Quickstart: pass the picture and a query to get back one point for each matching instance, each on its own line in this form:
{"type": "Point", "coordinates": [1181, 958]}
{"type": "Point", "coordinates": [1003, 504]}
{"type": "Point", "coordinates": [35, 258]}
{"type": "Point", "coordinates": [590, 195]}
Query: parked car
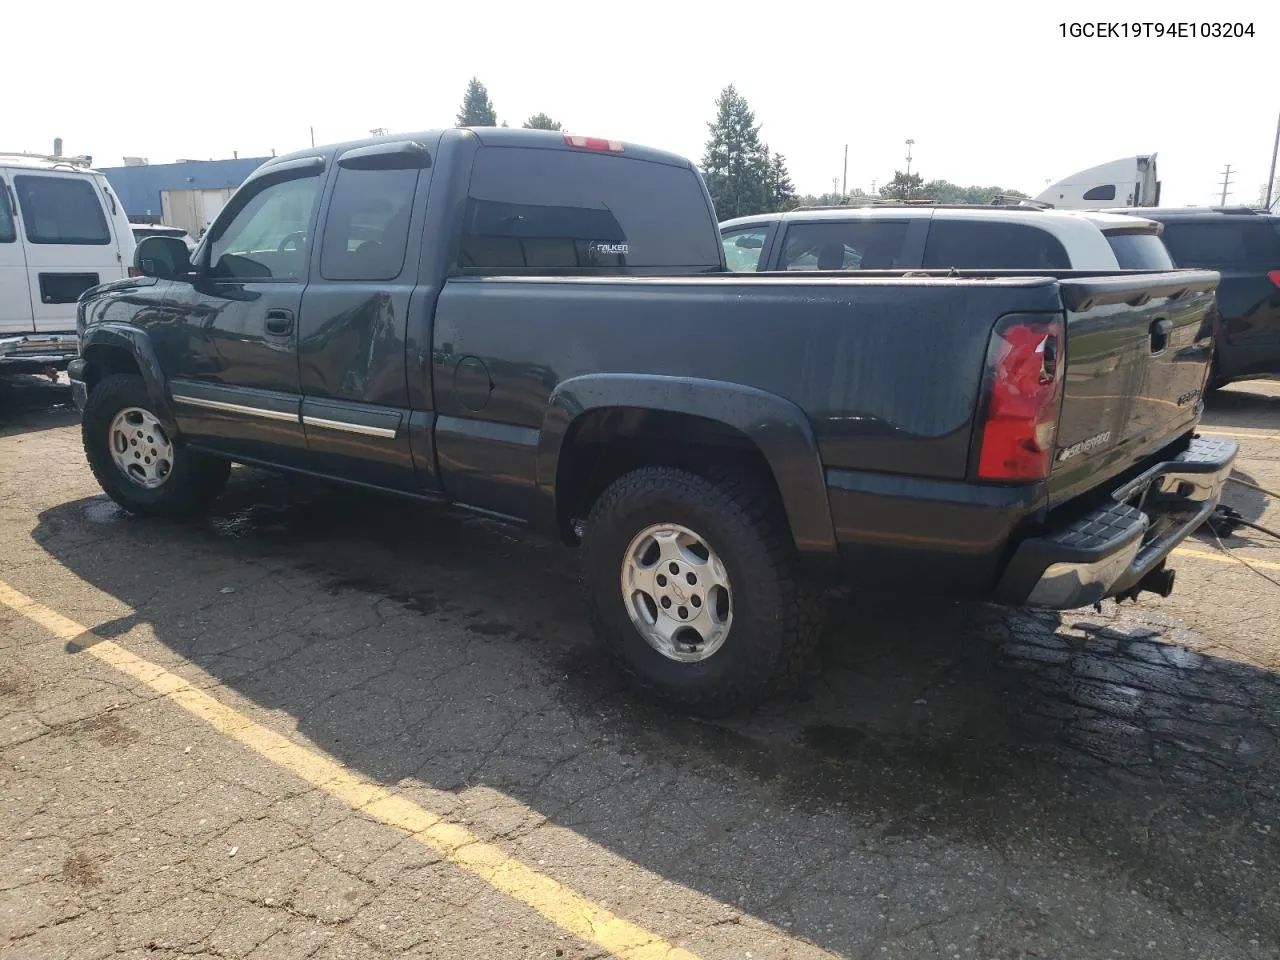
{"type": "Point", "coordinates": [1243, 246]}
{"type": "Point", "coordinates": [913, 236]}
{"type": "Point", "coordinates": [544, 330]}
{"type": "Point", "coordinates": [143, 230]}
{"type": "Point", "coordinates": [62, 231]}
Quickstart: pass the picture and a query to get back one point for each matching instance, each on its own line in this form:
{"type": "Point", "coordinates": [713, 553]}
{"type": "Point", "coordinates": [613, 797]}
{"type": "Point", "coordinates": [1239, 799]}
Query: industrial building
{"type": "Point", "coordinates": [186, 194]}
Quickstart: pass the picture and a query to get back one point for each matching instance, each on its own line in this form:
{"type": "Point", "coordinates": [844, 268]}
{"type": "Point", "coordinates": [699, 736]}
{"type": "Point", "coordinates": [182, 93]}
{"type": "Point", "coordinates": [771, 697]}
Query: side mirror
{"type": "Point", "coordinates": [165, 258]}
{"type": "Point", "coordinates": [748, 242]}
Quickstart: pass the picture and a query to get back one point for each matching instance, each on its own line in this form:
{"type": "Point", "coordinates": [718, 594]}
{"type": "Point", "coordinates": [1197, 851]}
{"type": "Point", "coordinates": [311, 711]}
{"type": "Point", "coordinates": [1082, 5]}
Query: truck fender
{"type": "Point", "coordinates": [778, 428]}
{"type": "Point", "coordinates": [137, 344]}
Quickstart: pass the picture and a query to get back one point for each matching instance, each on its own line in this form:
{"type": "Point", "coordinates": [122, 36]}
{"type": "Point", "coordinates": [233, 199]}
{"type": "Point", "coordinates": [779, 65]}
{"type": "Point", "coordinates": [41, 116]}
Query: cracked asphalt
{"type": "Point", "coordinates": [960, 780]}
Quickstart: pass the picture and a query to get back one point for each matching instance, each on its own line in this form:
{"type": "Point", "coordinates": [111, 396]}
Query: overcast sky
{"type": "Point", "coordinates": [990, 92]}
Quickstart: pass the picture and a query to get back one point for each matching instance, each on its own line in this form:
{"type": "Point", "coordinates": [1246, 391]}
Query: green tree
{"type": "Point", "coordinates": [903, 186]}
{"type": "Point", "coordinates": [944, 191]}
{"type": "Point", "coordinates": [780, 192]}
{"type": "Point", "coordinates": [736, 163]}
{"type": "Point", "coordinates": [477, 109]}
{"type": "Point", "coordinates": [540, 121]}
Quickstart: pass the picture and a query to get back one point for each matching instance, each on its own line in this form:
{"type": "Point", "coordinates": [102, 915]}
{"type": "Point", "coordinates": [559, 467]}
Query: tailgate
{"type": "Point", "coordinates": [1138, 352]}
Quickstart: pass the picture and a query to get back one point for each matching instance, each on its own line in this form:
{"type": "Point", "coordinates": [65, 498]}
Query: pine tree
{"type": "Point", "coordinates": [477, 109]}
{"type": "Point", "coordinates": [782, 192]}
{"type": "Point", "coordinates": [736, 163]}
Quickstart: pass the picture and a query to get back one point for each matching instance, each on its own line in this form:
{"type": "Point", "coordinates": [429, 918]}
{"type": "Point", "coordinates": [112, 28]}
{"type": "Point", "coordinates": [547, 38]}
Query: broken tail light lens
{"type": "Point", "coordinates": [1023, 400]}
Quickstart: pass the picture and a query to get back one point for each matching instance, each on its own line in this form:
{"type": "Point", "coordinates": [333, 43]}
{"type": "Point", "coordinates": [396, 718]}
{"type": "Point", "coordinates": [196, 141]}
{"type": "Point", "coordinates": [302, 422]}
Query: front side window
{"type": "Point", "coordinates": [845, 245]}
{"type": "Point", "coordinates": [742, 248]}
{"type": "Point", "coordinates": [566, 210]}
{"type": "Point", "coordinates": [989, 245]}
{"type": "Point", "coordinates": [63, 210]}
{"type": "Point", "coordinates": [267, 239]}
{"type": "Point", "coordinates": [7, 232]}
{"type": "Point", "coordinates": [368, 224]}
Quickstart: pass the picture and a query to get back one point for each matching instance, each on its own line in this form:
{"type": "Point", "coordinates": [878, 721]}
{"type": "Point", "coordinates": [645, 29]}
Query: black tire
{"type": "Point", "coordinates": [196, 478]}
{"type": "Point", "coordinates": [777, 618]}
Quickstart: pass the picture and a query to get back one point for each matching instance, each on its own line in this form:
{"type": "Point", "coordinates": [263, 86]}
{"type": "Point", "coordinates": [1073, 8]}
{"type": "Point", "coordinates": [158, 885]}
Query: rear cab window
{"type": "Point", "coordinates": [61, 210]}
{"type": "Point", "coordinates": [1244, 241]}
{"type": "Point", "coordinates": [1139, 250]}
{"type": "Point", "coordinates": [367, 229]}
{"type": "Point", "coordinates": [991, 245]}
{"type": "Point", "coordinates": [548, 210]}
{"type": "Point", "coordinates": [845, 245]}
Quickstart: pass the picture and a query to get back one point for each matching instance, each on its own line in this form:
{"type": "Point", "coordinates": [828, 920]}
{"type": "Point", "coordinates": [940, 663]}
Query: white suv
{"type": "Point", "coordinates": [908, 236]}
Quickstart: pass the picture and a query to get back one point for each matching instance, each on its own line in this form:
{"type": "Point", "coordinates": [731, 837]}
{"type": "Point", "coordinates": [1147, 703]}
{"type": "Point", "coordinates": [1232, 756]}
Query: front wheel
{"type": "Point", "coordinates": [692, 589]}
{"type": "Point", "coordinates": [135, 459]}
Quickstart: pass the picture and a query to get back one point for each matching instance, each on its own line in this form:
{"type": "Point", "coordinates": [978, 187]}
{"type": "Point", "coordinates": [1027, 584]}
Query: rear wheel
{"type": "Point", "coordinates": [137, 462]}
{"type": "Point", "coordinates": [693, 590]}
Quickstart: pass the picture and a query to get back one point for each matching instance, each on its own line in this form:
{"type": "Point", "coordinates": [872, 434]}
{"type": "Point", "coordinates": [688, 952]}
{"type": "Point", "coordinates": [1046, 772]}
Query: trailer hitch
{"type": "Point", "coordinates": [1158, 580]}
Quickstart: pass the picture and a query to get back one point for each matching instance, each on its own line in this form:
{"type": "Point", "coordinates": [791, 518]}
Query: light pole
{"type": "Point", "coordinates": [910, 144]}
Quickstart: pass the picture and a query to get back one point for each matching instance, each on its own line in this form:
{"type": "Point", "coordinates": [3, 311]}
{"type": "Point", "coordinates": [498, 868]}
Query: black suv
{"type": "Point", "coordinates": [1243, 245]}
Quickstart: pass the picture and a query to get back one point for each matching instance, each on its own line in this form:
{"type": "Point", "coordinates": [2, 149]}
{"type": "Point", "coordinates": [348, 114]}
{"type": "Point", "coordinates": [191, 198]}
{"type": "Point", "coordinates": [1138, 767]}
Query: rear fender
{"type": "Point", "coordinates": [778, 428]}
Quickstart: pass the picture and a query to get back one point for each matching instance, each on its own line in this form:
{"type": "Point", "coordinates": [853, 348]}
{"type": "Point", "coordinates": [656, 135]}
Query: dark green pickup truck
{"type": "Point", "coordinates": [541, 327]}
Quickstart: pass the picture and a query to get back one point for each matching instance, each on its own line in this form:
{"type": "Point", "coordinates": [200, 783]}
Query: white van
{"type": "Point", "coordinates": [62, 231]}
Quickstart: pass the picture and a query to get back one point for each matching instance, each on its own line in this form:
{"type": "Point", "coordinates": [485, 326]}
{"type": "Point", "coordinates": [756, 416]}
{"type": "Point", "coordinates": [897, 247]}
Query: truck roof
{"type": "Point", "coordinates": [493, 137]}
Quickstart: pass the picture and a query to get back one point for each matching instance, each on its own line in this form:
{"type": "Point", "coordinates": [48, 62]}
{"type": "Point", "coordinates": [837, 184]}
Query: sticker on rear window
{"type": "Point", "coordinates": [609, 249]}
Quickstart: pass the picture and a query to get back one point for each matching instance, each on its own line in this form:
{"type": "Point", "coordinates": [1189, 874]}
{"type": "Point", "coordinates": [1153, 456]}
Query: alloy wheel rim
{"type": "Point", "coordinates": [677, 592]}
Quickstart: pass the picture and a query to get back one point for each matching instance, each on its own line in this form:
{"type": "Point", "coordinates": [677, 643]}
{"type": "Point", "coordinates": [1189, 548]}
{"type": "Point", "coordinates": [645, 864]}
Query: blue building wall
{"type": "Point", "coordinates": [139, 187]}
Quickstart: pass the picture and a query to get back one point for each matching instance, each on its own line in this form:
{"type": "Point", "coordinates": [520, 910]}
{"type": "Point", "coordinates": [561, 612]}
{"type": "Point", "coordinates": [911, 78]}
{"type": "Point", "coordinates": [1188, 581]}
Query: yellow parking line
{"type": "Point", "coordinates": [564, 907]}
{"type": "Point", "coordinates": [1243, 433]}
{"type": "Point", "coordinates": [1225, 558]}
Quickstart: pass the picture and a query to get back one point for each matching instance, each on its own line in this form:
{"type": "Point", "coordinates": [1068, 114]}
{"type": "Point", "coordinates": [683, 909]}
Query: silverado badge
{"type": "Point", "coordinates": [1084, 446]}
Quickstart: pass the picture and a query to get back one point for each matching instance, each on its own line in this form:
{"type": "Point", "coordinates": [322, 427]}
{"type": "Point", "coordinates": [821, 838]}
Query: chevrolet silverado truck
{"type": "Point", "coordinates": [542, 327]}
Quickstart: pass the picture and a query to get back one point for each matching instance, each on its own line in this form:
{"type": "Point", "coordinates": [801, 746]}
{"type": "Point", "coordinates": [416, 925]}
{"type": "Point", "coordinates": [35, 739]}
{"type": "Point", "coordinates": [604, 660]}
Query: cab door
{"type": "Point", "coordinates": [231, 347]}
{"type": "Point", "coordinates": [352, 353]}
{"type": "Point", "coordinates": [15, 298]}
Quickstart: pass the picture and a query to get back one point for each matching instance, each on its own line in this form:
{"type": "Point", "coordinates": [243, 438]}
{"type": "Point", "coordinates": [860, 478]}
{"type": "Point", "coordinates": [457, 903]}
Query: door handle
{"type": "Point", "coordinates": [279, 321]}
{"type": "Point", "coordinates": [1160, 330]}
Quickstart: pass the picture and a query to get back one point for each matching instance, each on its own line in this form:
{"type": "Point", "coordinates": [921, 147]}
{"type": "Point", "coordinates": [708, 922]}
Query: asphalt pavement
{"type": "Point", "coordinates": [326, 724]}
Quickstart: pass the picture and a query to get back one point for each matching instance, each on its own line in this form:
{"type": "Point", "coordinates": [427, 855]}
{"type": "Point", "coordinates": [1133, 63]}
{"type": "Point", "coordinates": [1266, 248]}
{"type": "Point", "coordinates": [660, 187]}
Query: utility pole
{"type": "Point", "coordinates": [910, 144]}
{"type": "Point", "coordinates": [844, 177]}
{"type": "Point", "coordinates": [1271, 178]}
{"type": "Point", "coordinates": [313, 136]}
{"type": "Point", "coordinates": [1226, 182]}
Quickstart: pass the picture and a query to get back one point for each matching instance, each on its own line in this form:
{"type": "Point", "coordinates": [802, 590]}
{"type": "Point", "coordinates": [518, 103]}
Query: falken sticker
{"type": "Point", "coordinates": [610, 249]}
{"type": "Point", "coordinates": [1084, 446]}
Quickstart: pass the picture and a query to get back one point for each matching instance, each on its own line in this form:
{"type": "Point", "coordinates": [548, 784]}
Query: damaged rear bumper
{"type": "Point", "coordinates": [1122, 545]}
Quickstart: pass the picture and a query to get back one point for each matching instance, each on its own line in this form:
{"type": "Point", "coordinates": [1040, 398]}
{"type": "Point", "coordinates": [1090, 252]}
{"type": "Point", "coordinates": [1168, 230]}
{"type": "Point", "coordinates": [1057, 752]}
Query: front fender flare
{"type": "Point", "coordinates": [778, 428]}
{"type": "Point", "coordinates": [136, 343]}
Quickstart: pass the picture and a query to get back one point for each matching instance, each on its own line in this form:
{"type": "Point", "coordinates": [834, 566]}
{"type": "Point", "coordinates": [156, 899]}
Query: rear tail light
{"type": "Point", "coordinates": [1274, 277]}
{"type": "Point", "coordinates": [1024, 397]}
{"type": "Point", "coordinates": [593, 143]}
